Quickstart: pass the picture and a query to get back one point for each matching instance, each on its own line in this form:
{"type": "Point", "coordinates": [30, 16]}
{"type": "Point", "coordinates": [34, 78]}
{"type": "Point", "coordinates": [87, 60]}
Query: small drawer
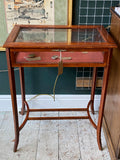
{"type": "Point", "coordinates": [83, 57]}
{"type": "Point", "coordinates": [54, 57]}
{"type": "Point", "coordinates": [38, 57]}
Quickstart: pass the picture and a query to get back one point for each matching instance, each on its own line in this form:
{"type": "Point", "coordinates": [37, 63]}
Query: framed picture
{"type": "Point", "coordinates": [40, 12]}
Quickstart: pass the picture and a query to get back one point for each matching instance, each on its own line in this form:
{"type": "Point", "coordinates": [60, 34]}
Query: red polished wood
{"type": "Point", "coordinates": [99, 55]}
{"type": "Point", "coordinates": [109, 43]}
{"type": "Point", "coordinates": [57, 118]}
{"type": "Point", "coordinates": [93, 88]}
{"type": "Point", "coordinates": [21, 72]}
{"type": "Point", "coordinates": [13, 98]}
{"type": "Point", "coordinates": [102, 102]}
{"type": "Point", "coordinates": [58, 109]}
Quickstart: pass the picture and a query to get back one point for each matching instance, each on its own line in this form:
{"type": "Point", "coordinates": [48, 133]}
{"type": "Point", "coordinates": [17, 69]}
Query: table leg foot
{"type": "Point", "coordinates": [99, 142]}
{"type": "Point", "coordinates": [16, 143]}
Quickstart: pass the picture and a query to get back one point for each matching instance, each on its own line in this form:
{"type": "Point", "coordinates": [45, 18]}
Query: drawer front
{"type": "Point", "coordinates": [53, 58]}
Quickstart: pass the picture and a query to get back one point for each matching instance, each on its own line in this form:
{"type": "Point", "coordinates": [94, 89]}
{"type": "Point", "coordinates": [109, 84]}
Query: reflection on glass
{"type": "Point", "coordinates": [86, 35]}
{"type": "Point", "coordinates": [42, 35]}
{"type": "Point", "coordinates": [59, 35]}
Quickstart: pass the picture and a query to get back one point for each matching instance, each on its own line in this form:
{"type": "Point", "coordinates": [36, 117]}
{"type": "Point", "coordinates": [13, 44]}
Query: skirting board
{"type": "Point", "coordinates": [46, 101]}
{"type": "Point", "coordinates": [108, 140]}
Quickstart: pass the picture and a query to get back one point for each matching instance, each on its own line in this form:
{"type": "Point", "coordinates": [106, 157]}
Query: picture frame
{"type": "Point", "coordinates": [36, 12]}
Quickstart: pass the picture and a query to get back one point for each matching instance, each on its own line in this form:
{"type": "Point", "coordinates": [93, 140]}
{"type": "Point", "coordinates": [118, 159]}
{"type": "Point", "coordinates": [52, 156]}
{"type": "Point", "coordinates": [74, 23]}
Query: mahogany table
{"type": "Point", "coordinates": [74, 46]}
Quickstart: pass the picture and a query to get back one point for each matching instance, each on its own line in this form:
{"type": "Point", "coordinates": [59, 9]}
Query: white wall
{"type": "Point", "coordinates": [45, 101]}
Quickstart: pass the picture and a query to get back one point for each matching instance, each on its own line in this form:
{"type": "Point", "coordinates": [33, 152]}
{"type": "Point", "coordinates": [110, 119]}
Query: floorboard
{"type": "Point", "coordinates": [68, 138]}
{"type": "Point", "coordinates": [2, 114]}
{"type": "Point", "coordinates": [105, 153]}
{"type": "Point", "coordinates": [48, 139]}
{"type": "Point", "coordinates": [51, 140]}
{"type": "Point", "coordinates": [7, 137]}
{"type": "Point", "coordinates": [88, 143]}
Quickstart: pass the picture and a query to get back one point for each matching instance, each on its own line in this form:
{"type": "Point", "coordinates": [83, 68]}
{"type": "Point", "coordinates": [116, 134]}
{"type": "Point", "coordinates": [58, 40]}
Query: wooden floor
{"type": "Point", "coordinates": [51, 140]}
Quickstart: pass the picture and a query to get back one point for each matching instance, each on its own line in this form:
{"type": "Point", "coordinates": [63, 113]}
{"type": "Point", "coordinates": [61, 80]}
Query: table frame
{"type": "Point", "coordinates": [12, 47]}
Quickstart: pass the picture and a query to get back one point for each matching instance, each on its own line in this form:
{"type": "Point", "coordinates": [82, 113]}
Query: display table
{"type": "Point", "coordinates": [53, 46]}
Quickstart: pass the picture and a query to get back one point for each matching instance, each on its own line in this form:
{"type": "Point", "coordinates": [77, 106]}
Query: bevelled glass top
{"type": "Point", "coordinates": [47, 35]}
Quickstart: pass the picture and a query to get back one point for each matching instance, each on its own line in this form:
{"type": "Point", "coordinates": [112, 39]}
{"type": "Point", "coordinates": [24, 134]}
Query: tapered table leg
{"type": "Point", "coordinates": [93, 88]}
{"type": "Point", "coordinates": [22, 84]}
{"type": "Point", "coordinates": [13, 98]}
{"type": "Point", "coordinates": [102, 101]}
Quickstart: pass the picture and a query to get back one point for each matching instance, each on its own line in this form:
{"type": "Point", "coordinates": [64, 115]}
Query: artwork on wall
{"type": "Point", "coordinates": [29, 12]}
{"type": "Point", "coordinates": [40, 12]}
